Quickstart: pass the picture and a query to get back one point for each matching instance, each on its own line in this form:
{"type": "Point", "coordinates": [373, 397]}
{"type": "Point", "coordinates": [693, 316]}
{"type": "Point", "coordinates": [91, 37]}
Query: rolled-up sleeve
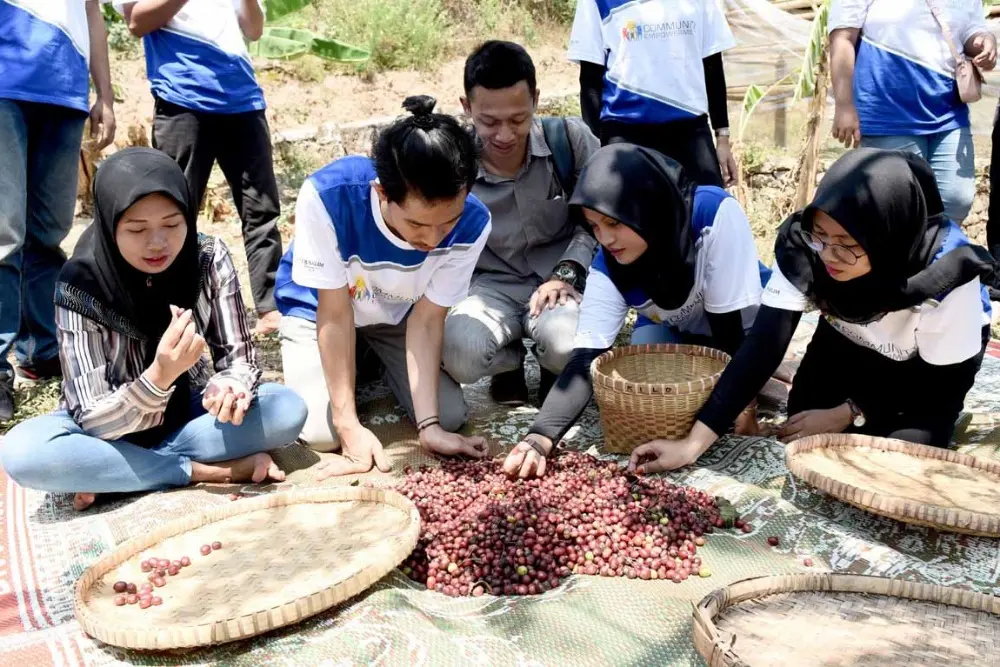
{"type": "Point", "coordinates": [102, 410]}
{"type": "Point", "coordinates": [234, 354]}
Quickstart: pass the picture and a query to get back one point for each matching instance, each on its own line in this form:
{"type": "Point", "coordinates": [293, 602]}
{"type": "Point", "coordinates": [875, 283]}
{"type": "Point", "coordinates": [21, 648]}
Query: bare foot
{"type": "Point", "coordinates": [268, 323]}
{"type": "Point", "coordinates": [82, 501]}
{"type": "Point", "coordinates": [255, 468]}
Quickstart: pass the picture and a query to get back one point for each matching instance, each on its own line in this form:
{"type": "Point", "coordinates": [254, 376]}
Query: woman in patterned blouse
{"type": "Point", "coordinates": [142, 408]}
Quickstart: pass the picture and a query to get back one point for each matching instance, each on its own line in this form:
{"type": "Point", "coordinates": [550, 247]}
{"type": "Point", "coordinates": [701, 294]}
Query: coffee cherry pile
{"type": "Point", "coordinates": [482, 532]}
{"type": "Point", "coordinates": [158, 569]}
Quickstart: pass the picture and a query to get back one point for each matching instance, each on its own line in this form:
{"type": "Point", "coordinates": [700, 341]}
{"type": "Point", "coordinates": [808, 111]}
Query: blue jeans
{"type": "Point", "coordinates": [952, 157]}
{"type": "Point", "coordinates": [39, 163]}
{"type": "Point", "coordinates": [52, 453]}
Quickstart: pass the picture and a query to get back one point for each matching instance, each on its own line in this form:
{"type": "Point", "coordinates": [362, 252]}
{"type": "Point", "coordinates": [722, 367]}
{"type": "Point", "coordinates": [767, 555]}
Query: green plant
{"type": "Point", "coordinates": [285, 43]}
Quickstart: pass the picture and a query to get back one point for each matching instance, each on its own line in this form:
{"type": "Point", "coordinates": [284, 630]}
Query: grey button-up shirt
{"type": "Point", "coordinates": [532, 230]}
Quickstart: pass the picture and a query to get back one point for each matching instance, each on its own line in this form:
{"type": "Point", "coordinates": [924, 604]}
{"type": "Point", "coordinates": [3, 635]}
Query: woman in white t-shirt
{"type": "Point", "coordinates": [651, 74]}
{"type": "Point", "coordinates": [681, 254]}
{"type": "Point", "coordinates": [894, 83]}
{"type": "Point", "coordinates": [904, 317]}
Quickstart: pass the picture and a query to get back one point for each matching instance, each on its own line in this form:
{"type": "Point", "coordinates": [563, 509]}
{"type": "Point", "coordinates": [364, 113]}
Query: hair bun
{"type": "Point", "coordinates": [422, 108]}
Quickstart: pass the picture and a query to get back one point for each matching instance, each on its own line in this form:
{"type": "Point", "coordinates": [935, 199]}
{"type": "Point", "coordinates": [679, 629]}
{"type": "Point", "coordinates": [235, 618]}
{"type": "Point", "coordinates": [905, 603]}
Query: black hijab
{"type": "Point", "coordinates": [649, 193]}
{"type": "Point", "coordinates": [890, 203]}
{"type": "Point", "coordinates": [100, 284]}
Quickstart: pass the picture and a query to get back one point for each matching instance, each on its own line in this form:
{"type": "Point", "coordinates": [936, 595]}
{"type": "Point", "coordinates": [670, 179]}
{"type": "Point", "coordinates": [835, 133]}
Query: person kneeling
{"type": "Point", "coordinates": [383, 247]}
{"type": "Point", "coordinates": [904, 316]}
{"type": "Point", "coordinates": [681, 254]}
{"type": "Point", "coordinates": [135, 306]}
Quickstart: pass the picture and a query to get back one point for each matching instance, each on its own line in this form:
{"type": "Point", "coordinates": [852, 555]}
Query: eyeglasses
{"type": "Point", "coordinates": [841, 253]}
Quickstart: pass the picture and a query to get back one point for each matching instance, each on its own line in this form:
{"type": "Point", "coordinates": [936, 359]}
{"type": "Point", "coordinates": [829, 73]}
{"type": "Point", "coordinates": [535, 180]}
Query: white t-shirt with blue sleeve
{"type": "Point", "coordinates": [342, 240]}
{"type": "Point", "coordinates": [653, 51]}
{"type": "Point", "coordinates": [943, 331]}
{"type": "Point", "coordinates": [199, 59]}
{"type": "Point", "coordinates": [45, 52]}
{"type": "Point", "coordinates": [728, 278]}
{"type": "Point", "coordinates": [904, 74]}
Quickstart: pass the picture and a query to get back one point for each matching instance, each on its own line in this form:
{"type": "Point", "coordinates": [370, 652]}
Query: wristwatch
{"type": "Point", "coordinates": [570, 273]}
{"type": "Point", "coordinates": [857, 417]}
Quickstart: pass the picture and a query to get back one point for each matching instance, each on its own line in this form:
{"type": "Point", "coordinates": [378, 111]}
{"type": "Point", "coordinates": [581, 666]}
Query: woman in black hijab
{"type": "Point", "coordinates": [904, 314]}
{"type": "Point", "coordinates": [681, 254]}
{"type": "Point", "coordinates": [142, 408]}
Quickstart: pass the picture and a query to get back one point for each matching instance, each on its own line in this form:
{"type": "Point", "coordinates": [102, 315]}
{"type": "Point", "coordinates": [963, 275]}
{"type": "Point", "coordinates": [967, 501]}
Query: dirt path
{"type": "Point", "coordinates": [344, 97]}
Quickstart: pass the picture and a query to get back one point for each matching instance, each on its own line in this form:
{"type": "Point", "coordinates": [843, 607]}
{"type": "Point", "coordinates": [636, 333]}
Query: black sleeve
{"type": "Point", "coordinates": [569, 396]}
{"type": "Point", "coordinates": [727, 330]}
{"type": "Point", "coordinates": [715, 86]}
{"type": "Point", "coordinates": [591, 90]}
{"type": "Point", "coordinates": [755, 362]}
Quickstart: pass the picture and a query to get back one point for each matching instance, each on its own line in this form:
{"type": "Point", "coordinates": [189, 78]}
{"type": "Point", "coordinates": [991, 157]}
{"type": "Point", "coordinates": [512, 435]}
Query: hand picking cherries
{"type": "Point", "coordinates": [158, 569]}
{"type": "Point", "coordinates": [482, 532]}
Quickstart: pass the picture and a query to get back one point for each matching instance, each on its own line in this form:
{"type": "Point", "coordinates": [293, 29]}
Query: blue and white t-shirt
{"type": "Point", "coordinates": [45, 52]}
{"type": "Point", "coordinates": [653, 51]}
{"type": "Point", "coordinates": [342, 240]}
{"type": "Point", "coordinates": [904, 75]}
{"type": "Point", "coordinates": [199, 59]}
{"type": "Point", "coordinates": [943, 331]}
{"type": "Point", "coordinates": [727, 278]}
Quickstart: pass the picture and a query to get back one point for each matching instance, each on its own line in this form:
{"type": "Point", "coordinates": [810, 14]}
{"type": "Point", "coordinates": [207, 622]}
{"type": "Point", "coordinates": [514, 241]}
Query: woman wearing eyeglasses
{"type": "Point", "coordinates": [904, 317]}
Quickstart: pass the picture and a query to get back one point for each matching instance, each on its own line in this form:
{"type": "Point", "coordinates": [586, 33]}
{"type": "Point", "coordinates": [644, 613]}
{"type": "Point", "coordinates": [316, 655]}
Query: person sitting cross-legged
{"type": "Point", "coordinates": [142, 408]}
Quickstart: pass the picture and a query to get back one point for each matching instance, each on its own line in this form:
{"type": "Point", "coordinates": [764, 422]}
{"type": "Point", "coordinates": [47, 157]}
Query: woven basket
{"type": "Point", "coordinates": [917, 484]}
{"type": "Point", "coordinates": [284, 557]}
{"type": "Point", "coordinates": [843, 620]}
{"type": "Point", "coordinates": [646, 392]}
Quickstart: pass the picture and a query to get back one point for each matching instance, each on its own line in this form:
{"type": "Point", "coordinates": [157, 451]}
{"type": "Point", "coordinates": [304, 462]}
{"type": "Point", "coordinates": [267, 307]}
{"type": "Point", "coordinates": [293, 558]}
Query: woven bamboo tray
{"type": "Point", "coordinates": [843, 620]}
{"type": "Point", "coordinates": [917, 484]}
{"type": "Point", "coordinates": [284, 557]}
{"type": "Point", "coordinates": [646, 392]}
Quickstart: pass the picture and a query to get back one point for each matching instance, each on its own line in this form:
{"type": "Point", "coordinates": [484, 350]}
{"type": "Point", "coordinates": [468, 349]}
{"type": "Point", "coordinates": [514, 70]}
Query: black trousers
{"type": "Point", "coordinates": [242, 145]}
{"type": "Point", "coordinates": [993, 222]}
{"type": "Point", "coordinates": [687, 141]}
{"type": "Point", "coordinates": [910, 400]}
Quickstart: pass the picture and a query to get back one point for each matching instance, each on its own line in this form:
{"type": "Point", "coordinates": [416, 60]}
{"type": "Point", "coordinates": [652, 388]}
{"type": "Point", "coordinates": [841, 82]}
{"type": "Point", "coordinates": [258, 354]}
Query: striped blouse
{"type": "Point", "coordinates": [105, 387]}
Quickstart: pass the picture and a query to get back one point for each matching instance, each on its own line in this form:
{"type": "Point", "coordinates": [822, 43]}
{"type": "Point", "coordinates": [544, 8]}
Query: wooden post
{"type": "Point", "coordinates": [809, 160]}
{"type": "Point", "coordinates": [780, 112]}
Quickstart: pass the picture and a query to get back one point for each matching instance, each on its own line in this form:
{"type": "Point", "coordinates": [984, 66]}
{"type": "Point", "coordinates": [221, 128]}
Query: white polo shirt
{"type": "Point", "coordinates": [653, 51]}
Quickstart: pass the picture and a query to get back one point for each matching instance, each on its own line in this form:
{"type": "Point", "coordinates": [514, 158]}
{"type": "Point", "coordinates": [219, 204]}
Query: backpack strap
{"type": "Point", "coordinates": [556, 132]}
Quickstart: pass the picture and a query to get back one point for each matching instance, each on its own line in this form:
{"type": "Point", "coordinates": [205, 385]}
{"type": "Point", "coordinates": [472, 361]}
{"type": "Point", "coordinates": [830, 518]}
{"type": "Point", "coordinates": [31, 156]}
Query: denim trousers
{"type": "Point", "coordinates": [39, 163]}
{"type": "Point", "coordinates": [951, 156]}
{"type": "Point", "coordinates": [52, 453]}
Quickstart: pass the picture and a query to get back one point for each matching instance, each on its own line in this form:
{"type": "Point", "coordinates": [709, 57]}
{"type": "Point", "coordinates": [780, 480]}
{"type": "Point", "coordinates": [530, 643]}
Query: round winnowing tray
{"type": "Point", "coordinates": [841, 620]}
{"type": "Point", "coordinates": [284, 557]}
{"type": "Point", "coordinates": [917, 484]}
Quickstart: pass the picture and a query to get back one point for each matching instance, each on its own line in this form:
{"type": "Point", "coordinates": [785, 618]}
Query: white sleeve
{"type": "Point", "coordinates": [952, 332]}
{"type": "Point", "coordinates": [450, 282]}
{"type": "Point", "coordinates": [732, 273]}
{"type": "Point", "coordinates": [586, 41]}
{"type": "Point", "coordinates": [780, 293]}
{"type": "Point", "coordinates": [602, 313]}
{"type": "Point", "coordinates": [847, 14]}
{"type": "Point", "coordinates": [976, 22]}
{"type": "Point", "coordinates": [317, 262]}
{"type": "Point", "coordinates": [716, 35]}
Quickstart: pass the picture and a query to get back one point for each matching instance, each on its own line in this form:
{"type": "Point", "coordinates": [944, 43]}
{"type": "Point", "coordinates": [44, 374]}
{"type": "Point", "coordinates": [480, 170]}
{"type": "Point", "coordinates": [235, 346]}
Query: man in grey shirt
{"type": "Point", "coordinates": [529, 279]}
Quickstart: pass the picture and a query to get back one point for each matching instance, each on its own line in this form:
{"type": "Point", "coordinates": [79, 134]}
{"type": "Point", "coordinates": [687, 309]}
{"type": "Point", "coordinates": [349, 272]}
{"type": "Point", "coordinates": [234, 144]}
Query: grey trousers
{"type": "Point", "coordinates": [304, 373]}
{"type": "Point", "coordinates": [482, 335]}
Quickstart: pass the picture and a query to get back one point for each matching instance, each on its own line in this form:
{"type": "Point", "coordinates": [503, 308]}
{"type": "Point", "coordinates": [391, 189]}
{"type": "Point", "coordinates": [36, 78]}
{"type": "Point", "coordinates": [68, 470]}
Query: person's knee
{"type": "Point", "coordinates": [284, 414]}
{"type": "Point", "coordinates": [22, 452]}
{"type": "Point", "coordinates": [453, 411]}
{"type": "Point", "coordinates": [555, 336]}
{"type": "Point", "coordinates": [957, 197]}
{"type": "Point", "coordinates": [318, 433]}
{"type": "Point", "coordinates": [468, 350]}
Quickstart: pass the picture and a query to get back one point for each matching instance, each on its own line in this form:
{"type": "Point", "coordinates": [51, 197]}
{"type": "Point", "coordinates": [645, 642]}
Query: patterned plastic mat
{"type": "Point", "coordinates": [45, 546]}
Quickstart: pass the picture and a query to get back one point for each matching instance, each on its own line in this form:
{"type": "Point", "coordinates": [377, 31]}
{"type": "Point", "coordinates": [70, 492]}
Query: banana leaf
{"type": "Point", "coordinates": [277, 48]}
{"type": "Point", "coordinates": [275, 9]}
{"type": "Point", "coordinates": [331, 49]}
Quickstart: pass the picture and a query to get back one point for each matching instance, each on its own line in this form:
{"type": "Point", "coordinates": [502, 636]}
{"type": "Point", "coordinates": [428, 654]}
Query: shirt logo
{"type": "Point", "coordinates": [359, 290]}
{"type": "Point", "coordinates": [633, 31]}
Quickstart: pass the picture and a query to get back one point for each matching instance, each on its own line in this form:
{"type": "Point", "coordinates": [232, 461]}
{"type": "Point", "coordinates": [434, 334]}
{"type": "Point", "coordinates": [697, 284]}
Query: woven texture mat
{"type": "Point", "coordinates": [45, 546]}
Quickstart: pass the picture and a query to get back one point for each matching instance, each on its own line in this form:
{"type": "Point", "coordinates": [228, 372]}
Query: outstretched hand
{"type": "Point", "coordinates": [360, 450]}
{"type": "Point", "coordinates": [526, 459]}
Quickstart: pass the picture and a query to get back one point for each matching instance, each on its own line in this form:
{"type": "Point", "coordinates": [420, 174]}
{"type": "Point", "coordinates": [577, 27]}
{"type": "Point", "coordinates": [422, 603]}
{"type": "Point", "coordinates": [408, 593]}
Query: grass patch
{"type": "Point", "coordinates": [33, 400]}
